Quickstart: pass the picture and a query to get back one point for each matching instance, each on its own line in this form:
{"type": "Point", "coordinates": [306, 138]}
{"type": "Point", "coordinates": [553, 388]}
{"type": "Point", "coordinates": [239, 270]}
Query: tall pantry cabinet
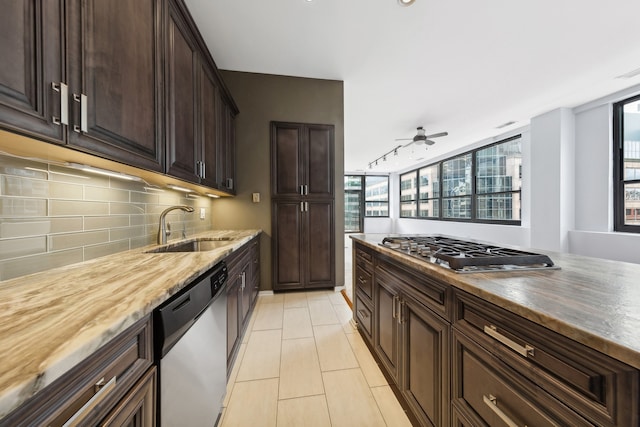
{"type": "Point", "coordinates": [302, 206]}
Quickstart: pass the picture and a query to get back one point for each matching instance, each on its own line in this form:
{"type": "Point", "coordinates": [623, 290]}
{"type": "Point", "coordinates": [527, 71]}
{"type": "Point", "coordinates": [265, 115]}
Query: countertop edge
{"type": "Point", "coordinates": [13, 395]}
{"type": "Point", "coordinates": [601, 342]}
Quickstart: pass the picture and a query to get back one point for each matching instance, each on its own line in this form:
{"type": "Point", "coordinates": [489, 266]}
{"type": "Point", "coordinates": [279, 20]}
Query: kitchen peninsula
{"type": "Point", "coordinates": [542, 347]}
{"type": "Point", "coordinates": [51, 321]}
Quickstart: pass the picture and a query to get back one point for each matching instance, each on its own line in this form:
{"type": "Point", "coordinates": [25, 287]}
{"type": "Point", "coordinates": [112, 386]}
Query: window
{"type": "Point", "coordinates": [409, 194]}
{"type": "Point", "coordinates": [376, 198]}
{"type": "Point", "coordinates": [429, 191]}
{"type": "Point", "coordinates": [498, 181]}
{"type": "Point", "coordinates": [483, 185]}
{"type": "Point", "coordinates": [364, 196]}
{"type": "Point", "coordinates": [626, 160]}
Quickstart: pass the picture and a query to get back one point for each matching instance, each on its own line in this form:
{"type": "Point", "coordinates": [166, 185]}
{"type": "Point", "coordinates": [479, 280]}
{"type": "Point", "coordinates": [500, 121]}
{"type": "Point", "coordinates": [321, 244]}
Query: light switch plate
{"type": "Point", "coordinates": [256, 197]}
{"type": "Point", "coordinates": [202, 213]}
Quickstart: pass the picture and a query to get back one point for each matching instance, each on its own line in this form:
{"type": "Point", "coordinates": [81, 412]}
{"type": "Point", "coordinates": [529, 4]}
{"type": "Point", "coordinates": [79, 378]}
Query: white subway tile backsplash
{"type": "Point", "coordinates": [74, 240]}
{"type": "Point", "coordinates": [105, 222]}
{"type": "Point", "coordinates": [12, 248]}
{"type": "Point", "coordinates": [13, 207]}
{"type": "Point", "coordinates": [77, 207]}
{"type": "Point", "coordinates": [32, 264]}
{"type": "Point", "coordinates": [24, 187]}
{"type": "Point", "coordinates": [51, 215]}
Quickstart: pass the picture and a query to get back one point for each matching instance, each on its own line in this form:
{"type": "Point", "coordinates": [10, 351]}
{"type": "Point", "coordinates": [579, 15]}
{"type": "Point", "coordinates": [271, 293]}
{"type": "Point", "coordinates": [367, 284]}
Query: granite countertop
{"type": "Point", "coordinates": [51, 321]}
{"type": "Point", "coordinates": [590, 300]}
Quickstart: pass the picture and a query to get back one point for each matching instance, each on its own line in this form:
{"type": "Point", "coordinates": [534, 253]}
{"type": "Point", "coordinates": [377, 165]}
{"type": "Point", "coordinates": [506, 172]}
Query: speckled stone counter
{"type": "Point", "coordinates": [593, 301]}
{"type": "Point", "coordinates": [51, 321]}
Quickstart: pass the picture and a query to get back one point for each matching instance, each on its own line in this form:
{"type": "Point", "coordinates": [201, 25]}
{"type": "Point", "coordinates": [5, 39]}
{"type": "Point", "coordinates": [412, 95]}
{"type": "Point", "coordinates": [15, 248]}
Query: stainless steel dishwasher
{"type": "Point", "coordinates": [190, 346]}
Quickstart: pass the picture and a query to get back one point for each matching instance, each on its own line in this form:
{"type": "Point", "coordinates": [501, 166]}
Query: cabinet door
{"type": "Point", "coordinates": [246, 290]}
{"type": "Point", "coordinates": [286, 160]}
{"type": "Point", "coordinates": [209, 126]}
{"type": "Point", "coordinates": [386, 330]}
{"type": "Point", "coordinates": [115, 61]}
{"type": "Point", "coordinates": [255, 268]}
{"type": "Point", "coordinates": [287, 245]}
{"type": "Point", "coordinates": [233, 329]}
{"type": "Point", "coordinates": [182, 64]}
{"type": "Point", "coordinates": [425, 354]}
{"type": "Point", "coordinates": [320, 260]}
{"type": "Point", "coordinates": [319, 160]}
{"type": "Point", "coordinates": [137, 408]}
{"type": "Point", "coordinates": [226, 147]}
{"type": "Point", "coordinates": [31, 48]}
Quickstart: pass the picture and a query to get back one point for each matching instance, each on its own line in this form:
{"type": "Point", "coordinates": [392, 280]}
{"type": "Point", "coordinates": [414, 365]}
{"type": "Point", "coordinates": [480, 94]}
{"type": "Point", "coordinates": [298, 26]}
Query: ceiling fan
{"type": "Point", "coordinates": [420, 137]}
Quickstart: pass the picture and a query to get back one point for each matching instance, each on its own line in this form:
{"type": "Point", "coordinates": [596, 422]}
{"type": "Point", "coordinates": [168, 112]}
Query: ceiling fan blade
{"type": "Point", "coordinates": [403, 139]}
{"type": "Point", "coordinates": [437, 135]}
{"type": "Point", "coordinates": [429, 142]}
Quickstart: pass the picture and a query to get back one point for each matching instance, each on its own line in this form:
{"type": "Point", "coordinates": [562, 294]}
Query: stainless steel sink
{"type": "Point", "coordinates": [198, 245]}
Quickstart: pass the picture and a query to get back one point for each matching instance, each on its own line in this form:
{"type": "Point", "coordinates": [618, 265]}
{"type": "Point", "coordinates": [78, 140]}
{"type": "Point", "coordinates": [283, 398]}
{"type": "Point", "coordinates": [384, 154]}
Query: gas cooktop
{"type": "Point", "coordinates": [467, 257]}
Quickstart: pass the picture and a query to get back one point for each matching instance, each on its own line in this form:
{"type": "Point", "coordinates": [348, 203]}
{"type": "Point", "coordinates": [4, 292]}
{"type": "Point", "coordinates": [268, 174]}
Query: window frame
{"type": "Point", "coordinates": [473, 195]}
{"type": "Point", "coordinates": [619, 180]}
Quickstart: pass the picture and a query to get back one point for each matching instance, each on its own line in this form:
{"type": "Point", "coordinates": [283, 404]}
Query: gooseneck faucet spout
{"type": "Point", "coordinates": [162, 229]}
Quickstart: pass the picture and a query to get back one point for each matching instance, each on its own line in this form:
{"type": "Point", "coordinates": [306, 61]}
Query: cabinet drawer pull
{"type": "Point", "coordinates": [361, 280]}
{"type": "Point", "coordinates": [492, 403]}
{"type": "Point", "coordinates": [525, 350]}
{"type": "Point", "coordinates": [102, 391]}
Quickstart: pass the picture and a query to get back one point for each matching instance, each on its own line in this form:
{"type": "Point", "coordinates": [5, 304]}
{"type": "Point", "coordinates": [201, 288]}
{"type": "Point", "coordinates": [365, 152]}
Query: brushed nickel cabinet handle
{"type": "Point", "coordinates": [394, 310]}
{"type": "Point", "coordinates": [492, 402]}
{"type": "Point", "coordinates": [526, 350]}
{"type": "Point", "coordinates": [102, 391]}
{"type": "Point", "coordinates": [63, 89]}
{"type": "Point", "coordinates": [82, 100]}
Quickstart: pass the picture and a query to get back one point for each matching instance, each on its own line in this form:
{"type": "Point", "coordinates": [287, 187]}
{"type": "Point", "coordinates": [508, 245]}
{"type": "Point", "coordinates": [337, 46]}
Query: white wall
{"type": "Point", "coordinates": [567, 193]}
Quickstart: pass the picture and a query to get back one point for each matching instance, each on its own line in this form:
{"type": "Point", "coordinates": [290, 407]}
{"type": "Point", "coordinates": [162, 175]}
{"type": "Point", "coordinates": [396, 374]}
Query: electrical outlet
{"type": "Point", "coordinates": [202, 213]}
{"type": "Point", "coordinates": [256, 197]}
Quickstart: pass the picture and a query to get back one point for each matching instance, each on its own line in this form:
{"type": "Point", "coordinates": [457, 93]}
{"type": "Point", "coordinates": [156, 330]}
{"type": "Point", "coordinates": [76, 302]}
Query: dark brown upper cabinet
{"type": "Point", "coordinates": [302, 160]}
{"type": "Point", "coordinates": [115, 80]}
{"type": "Point", "coordinates": [128, 81]}
{"type": "Point", "coordinates": [182, 64]}
{"type": "Point", "coordinates": [226, 148]}
{"type": "Point", "coordinates": [209, 107]}
{"type": "Point", "coordinates": [86, 73]}
{"type": "Point", "coordinates": [32, 69]}
{"type": "Point", "coordinates": [200, 120]}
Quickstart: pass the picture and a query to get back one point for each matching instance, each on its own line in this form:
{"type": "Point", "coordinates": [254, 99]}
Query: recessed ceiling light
{"type": "Point", "coordinates": [405, 2]}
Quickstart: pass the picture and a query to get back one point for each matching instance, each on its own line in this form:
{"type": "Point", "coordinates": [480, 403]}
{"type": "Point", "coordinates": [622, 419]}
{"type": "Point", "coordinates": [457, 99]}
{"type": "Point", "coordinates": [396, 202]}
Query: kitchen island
{"type": "Point", "coordinates": [552, 337]}
{"type": "Point", "coordinates": [52, 321]}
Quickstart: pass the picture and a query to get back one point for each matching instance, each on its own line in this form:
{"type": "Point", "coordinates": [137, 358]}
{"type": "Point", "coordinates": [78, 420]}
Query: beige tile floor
{"type": "Point", "coordinates": [301, 363]}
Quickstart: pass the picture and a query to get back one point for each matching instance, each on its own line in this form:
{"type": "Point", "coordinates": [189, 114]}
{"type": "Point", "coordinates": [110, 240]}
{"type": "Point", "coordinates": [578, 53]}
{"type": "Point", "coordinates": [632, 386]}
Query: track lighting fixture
{"type": "Point", "coordinates": [384, 156]}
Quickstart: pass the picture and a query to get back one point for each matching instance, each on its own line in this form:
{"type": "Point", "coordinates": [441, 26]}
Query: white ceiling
{"type": "Point", "coordinates": [464, 66]}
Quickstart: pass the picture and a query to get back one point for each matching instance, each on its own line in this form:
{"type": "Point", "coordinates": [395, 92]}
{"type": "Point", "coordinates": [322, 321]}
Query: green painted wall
{"type": "Point", "coordinates": [261, 99]}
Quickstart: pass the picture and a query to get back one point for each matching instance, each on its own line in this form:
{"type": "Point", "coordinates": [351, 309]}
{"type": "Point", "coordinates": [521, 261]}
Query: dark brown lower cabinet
{"type": "Point", "coordinates": [413, 344]}
{"type": "Point", "coordinates": [491, 392]}
{"type": "Point", "coordinates": [303, 244]}
{"type": "Point", "coordinates": [243, 286]}
{"type": "Point", "coordinates": [119, 377]}
{"type": "Point", "coordinates": [458, 360]}
{"type": "Point", "coordinates": [137, 408]}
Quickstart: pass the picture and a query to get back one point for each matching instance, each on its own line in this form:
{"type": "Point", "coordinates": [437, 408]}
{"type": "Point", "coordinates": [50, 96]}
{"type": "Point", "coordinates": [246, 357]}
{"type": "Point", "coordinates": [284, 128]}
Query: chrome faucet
{"type": "Point", "coordinates": [162, 229]}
